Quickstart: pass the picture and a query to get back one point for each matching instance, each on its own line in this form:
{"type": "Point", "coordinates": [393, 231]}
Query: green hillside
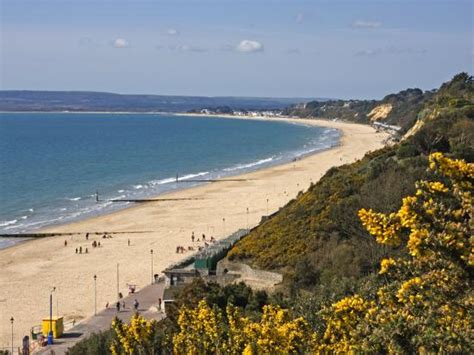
{"type": "Point", "coordinates": [401, 109]}
{"type": "Point", "coordinates": [317, 240]}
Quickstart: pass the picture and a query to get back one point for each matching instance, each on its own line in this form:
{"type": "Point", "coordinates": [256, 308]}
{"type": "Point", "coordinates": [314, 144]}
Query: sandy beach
{"type": "Point", "coordinates": [31, 269]}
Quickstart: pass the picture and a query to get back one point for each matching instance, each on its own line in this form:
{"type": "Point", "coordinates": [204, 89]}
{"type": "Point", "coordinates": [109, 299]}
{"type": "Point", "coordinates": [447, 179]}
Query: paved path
{"type": "Point", "coordinates": [148, 300]}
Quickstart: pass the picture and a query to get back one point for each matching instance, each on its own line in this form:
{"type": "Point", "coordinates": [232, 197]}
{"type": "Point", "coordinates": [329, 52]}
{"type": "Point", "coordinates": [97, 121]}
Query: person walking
{"type": "Point", "coordinates": [135, 305]}
{"type": "Point", "coordinates": [118, 306]}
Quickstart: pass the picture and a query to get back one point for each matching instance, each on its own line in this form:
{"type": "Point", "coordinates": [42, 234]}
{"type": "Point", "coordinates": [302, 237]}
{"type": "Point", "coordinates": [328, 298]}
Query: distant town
{"type": "Point", "coordinates": [241, 113]}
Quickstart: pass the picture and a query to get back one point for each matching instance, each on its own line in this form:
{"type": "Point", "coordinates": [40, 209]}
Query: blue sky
{"type": "Point", "coordinates": [344, 49]}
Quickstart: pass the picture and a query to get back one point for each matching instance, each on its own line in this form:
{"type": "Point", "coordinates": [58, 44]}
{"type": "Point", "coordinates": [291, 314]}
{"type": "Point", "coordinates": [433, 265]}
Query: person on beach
{"type": "Point", "coordinates": [135, 304]}
{"type": "Point", "coordinates": [65, 243]}
{"type": "Point", "coordinates": [129, 242]}
{"type": "Point", "coordinates": [87, 236]}
{"type": "Point", "coordinates": [80, 250]}
{"type": "Point", "coordinates": [118, 306]}
{"type": "Point", "coordinates": [203, 237]}
{"type": "Point", "coordinates": [87, 251]}
{"type": "Point", "coordinates": [98, 244]}
{"type": "Point", "coordinates": [192, 237]}
{"type": "Point", "coordinates": [76, 250]}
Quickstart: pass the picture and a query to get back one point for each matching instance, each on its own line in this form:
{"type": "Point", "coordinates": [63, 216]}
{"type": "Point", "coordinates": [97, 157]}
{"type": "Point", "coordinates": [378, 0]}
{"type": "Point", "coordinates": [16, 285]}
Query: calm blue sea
{"type": "Point", "coordinates": [51, 164]}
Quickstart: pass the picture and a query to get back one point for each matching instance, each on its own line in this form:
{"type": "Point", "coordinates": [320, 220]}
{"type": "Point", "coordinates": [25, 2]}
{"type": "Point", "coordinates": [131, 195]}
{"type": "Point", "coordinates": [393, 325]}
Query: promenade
{"type": "Point", "coordinates": [148, 300]}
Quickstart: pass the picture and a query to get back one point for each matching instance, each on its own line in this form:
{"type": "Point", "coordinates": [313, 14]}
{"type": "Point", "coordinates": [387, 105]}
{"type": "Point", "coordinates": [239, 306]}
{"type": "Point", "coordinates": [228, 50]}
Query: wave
{"type": "Point", "coordinates": [173, 179]}
{"type": "Point", "coordinates": [138, 187]}
{"type": "Point", "coordinates": [74, 198]}
{"type": "Point", "coordinates": [8, 223]}
{"type": "Point", "coordinates": [190, 176]}
{"type": "Point", "coordinates": [250, 165]}
{"type": "Point", "coordinates": [163, 181]}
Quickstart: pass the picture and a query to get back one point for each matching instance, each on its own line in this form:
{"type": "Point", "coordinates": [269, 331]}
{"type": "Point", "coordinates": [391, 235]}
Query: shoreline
{"type": "Point", "coordinates": [224, 173]}
{"type": "Point", "coordinates": [30, 269]}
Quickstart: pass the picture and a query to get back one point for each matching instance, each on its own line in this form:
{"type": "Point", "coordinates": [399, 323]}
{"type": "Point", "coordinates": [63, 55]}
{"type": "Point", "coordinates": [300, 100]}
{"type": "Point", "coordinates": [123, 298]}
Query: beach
{"type": "Point", "coordinates": [30, 270]}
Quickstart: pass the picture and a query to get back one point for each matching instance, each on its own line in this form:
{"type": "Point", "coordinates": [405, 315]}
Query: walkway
{"type": "Point", "coordinates": [148, 300]}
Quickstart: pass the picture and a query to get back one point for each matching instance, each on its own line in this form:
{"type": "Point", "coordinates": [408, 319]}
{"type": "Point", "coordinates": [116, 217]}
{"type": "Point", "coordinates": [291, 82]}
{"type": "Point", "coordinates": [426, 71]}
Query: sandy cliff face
{"type": "Point", "coordinates": [380, 112]}
{"type": "Point", "coordinates": [423, 116]}
{"type": "Point", "coordinates": [415, 128]}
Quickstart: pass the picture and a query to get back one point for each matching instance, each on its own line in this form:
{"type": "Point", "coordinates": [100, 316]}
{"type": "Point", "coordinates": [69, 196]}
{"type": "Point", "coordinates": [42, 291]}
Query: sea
{"type": "Point", "coordinates": [53, 164]}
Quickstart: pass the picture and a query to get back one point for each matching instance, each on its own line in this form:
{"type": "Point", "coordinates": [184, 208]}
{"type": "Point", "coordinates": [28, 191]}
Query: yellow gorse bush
{"type": "Point", "coordinates": [275, 333]}
{"type": "Point", "coordinates": [427, 303]}
{"type": "Point", "coordinates": [133, 338]}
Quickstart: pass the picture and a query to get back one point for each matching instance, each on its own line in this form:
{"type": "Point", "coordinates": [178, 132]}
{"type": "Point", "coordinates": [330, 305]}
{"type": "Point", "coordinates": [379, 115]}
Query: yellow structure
{"type": "Point", "coordinates": [57, 325]}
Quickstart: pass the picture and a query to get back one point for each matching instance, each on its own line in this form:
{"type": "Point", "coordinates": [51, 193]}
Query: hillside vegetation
{"type": "Point", "coordinates": [395, 109]}
{"type": "Point", "coordinates": [317, 240]}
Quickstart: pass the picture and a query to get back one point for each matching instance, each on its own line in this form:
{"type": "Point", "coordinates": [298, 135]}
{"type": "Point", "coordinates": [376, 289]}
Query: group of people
{"type": "Point", "coordinates": [79, 250]}
{"type": "Point", "coordinates": [95, 244]}
{"type": "Point", "coordinates": [193, 238]}
{"type": "Point", "coordinates": [119, 306]}
{"type": "Point", "coordinates": [180, 249]}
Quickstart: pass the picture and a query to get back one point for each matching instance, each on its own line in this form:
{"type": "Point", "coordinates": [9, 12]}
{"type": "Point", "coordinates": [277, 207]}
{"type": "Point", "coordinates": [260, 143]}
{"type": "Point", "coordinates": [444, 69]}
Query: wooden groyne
{"type": "Point", "coordinates": [152, 200]}
{"type": "Point", "coordinates": [45, 235]}
{"type": "Point", "coordinates": [210, 180]}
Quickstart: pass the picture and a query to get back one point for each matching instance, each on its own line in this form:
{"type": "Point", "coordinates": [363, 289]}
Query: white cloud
{"type": "Point", "coordinates": [248, 46]}
{"type": "Point", "coordinates": [299, 18]}
{"type": "Point", "coordinates": [121, 43]}
{"type": "Point", "coordinates": [366, 24]}
{"type": "Point", "coordinates": [172, 32]}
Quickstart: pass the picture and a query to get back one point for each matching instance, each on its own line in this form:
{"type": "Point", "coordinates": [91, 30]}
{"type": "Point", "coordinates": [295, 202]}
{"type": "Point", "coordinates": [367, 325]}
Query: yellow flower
{"type": "Point", "coordinates": [385, 264]}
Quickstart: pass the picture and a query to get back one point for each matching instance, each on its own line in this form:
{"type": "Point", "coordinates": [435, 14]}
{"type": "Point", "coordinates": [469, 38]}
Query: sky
{"type": "Point", "coordinates": [330, 49]}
